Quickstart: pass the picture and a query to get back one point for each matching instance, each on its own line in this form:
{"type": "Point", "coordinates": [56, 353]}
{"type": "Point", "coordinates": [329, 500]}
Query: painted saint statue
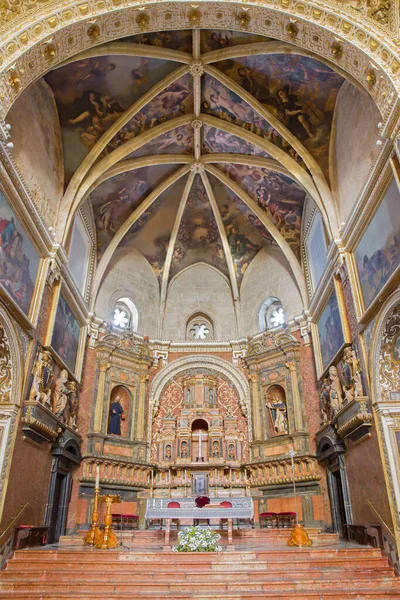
{"type": "Point", "coordinates": [116, 416]}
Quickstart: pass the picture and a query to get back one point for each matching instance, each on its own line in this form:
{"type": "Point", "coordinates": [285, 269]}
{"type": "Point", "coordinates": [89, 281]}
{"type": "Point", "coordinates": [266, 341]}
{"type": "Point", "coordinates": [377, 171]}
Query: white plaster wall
{"type": "Point", "coordinates": [199, 288]}
{"type": "Point", "coordinates": [130, 275]}
{"type": "Point", "coordinates": [353, 146]}
{"type": "Point", "coordinates": [268, 275]}
{"type": "Point", "coordinates": [35, 133]}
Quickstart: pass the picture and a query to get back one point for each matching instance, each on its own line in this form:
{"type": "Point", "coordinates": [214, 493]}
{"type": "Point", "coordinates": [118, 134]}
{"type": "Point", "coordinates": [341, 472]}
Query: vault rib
{"type": "Point", "coordinates": [270, 226]}
{"type": "Point", "coordinates": [246, 159]}
{"type": "Point", "coordinates": [123, 230]}
{"type": "Point", "coordinates": [170, 251]}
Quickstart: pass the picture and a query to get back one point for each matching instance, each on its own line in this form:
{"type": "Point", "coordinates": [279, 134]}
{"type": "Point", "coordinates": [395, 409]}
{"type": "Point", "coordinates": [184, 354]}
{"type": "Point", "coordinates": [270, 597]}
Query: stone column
{"type": "Point", "coordinates": [99, 406]}
{"type": "Point", "coordinates": [140, 433]}
{"type": "Point", "coordinates": [297, 407]}
{"type": "Point", "coordinates": [255, 397]}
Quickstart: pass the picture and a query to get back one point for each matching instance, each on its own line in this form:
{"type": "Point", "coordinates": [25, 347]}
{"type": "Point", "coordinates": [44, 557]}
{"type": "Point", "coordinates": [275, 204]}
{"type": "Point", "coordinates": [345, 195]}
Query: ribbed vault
{"type": "Point", "coordinates": [196, 146]}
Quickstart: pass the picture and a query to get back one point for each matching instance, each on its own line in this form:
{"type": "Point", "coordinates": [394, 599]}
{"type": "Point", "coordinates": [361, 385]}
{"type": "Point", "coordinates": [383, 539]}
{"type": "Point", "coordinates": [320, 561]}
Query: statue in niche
{"type": "Point", "coordinates": [215, 449]}
{"type": "Point", "coordinates": [168, 452]}
{"type": "Point", "coordinates": [188, 397]}
{"type": "Point", "coordinates": [211, 396]}
{"type": "Point", "coordinates": [276, 404]}
{"type": "Point", "coordinates": [184, 449]}
{"type": "Point", "coordinates": [42, 378]}
{"type": "Point", "coordinates": [231, 452]}
{"type": "Point", "coordinates": [335, 391]}
{"type": "Point", "coordinates": [351, 371]}
{"type": "Point", "coordinates": [72, 405]}
{"type": "Point", "coordinates": [60, 396]}
{"type": "Point", "coordinates": [116, 416]}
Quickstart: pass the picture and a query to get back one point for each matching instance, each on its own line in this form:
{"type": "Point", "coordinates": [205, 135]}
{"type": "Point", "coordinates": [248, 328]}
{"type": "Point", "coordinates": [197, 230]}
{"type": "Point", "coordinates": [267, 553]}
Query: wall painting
{"type": "Point", "coordinates": [377, 254]}
{"type": "Point", "coordinates": [66, 333]}
{"type": "Point", "coordinates": [330, 331]}
{"type": "Point", "coordinates": [19, 261]}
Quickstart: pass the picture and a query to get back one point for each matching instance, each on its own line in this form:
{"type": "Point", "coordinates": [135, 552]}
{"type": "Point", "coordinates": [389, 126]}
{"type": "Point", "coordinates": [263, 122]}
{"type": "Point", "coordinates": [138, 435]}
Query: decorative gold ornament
{"type": "Point", "coordinates": [194, 16]}
{"type": "Point", "coordinates": [370, 77]}
{"type": "Point", "coordinates": [142, 20]}
{"type": "Point", "coordinates": [292, 30]}
{"type": "Point", "coordinates": [380, 13]}
{"type": "Point", "coordinates": [337, 50]}
{"type": "Point", "coordinates": [243, 19]}
{"type": "Point", "coordinates": [50, 51]}
{"type": "Point", "coordinates": [93, 33]}
{"type": "Point", "coordinates": [299, 537]}
{"type": "Point", "coordinates": [14, 79]}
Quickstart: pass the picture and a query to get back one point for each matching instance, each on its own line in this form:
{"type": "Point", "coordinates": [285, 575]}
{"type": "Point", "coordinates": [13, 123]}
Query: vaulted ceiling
{"type": "Point", "coordinates": [196, 146]}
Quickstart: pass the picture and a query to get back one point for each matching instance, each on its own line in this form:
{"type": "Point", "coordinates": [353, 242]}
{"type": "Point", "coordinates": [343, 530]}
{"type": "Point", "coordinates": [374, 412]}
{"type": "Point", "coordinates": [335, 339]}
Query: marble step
{"type": "Point", "coordinates": [359, 594]}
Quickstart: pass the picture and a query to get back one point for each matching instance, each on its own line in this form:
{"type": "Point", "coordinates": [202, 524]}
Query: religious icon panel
{"type": "Point", "coordinates": [66, 333]}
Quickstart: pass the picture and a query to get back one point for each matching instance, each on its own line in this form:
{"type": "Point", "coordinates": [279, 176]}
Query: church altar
{"type": "Point", "coordinates": [157, 508]}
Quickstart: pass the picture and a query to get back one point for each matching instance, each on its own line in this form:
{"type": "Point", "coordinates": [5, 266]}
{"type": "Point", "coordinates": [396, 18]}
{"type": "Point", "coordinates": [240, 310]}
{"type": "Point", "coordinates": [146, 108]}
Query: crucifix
{"type": "Point", "coordinates": [200, 458]}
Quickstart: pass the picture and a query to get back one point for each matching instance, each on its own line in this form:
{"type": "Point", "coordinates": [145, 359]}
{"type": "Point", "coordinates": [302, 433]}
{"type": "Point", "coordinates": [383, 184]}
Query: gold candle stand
{"type": "Point", "coordinates": [108, 539]}
{"type": "Point", "coordinates": [94, 534]}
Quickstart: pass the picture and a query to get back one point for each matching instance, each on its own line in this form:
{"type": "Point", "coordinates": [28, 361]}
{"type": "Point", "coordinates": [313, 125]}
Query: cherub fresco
{"type": "Point", "coordinates": [217, 40]}
{"type": "Point", "coordinates": [176, 141]}
{"type": "Point", "coordinates": [176, 40]}
{"type": "Point", "coordinates": [217, 140]}
{"type": "Point", "coordinates": [300, 91]}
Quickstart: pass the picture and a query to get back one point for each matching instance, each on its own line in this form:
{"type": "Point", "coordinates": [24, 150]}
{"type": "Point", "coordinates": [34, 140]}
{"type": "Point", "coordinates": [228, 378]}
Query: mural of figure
{"type": "Point", "coordinates": [116, 416]}
{"type": "Point", "coordinates": [336, 396]}
{"type": "Point", "coordinates": [277, 407]}
{"type": "Point", "coordinates": [42, 378]}
{"type": "Point", "coordinates": [60, 396]}
{"type": "Point", "coordinates": [293, 112]}
{"type": "Point", "coordinates": [184, 449]}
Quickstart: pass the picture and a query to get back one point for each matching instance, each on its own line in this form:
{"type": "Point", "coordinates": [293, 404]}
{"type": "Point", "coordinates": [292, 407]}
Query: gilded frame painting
{"type": "Point", "coordinates": [377, 253]}
{"type": "Point", "coordinates": [20, 262]}
{"type": "Point", "coordinates": [316, 246]}
{"type": "Point", "coordinates": [66, 335]}
{"type": "Point", "coordinates": [331, 333]}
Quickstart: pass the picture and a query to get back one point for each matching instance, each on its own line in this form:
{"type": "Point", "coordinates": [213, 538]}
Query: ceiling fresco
{"type": "Point", "coordinates": [198, 238]}
{"type": "Point", "coordinates": [176, 141]}
{"type": "Point", "coordinates": [151, 233]}
{"type": "Point", "coordinates": [172, 102]}
{"type": "Point", "coordinates": [300, 91]}
{"type": "Point", "coordinates": [245, 233]}
{"type": "Point", "coordinates": [218, 40]}
{"type": "Point", "coordinates": [218, 141]}
{"type": "Point", "coordinates": [92, 94]}
{"type": "Point", "coordinates": [278, 195]}
{"type": "Point", "coordinates": [115, 199]}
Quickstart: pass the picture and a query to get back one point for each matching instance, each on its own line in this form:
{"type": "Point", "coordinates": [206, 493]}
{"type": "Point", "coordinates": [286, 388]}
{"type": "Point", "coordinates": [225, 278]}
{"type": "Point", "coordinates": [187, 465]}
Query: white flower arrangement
{"type": "Point", "coordinates": [198, 539]}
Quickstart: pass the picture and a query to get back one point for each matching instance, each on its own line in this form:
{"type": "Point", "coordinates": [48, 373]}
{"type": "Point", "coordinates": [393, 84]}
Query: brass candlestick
{"type": "Point", "coordinates": [94, 534]}
{"type": "Point", "coordinates": [108, 538]}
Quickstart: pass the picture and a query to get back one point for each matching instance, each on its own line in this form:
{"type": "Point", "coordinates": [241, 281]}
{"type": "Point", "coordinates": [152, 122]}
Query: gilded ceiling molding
{"type": "Point", "coordinates": [224, 239]}
{"type": "Point", "coordinates": [28, 24]}
{"type": "Point", "coordinates": [269, 225]}
{"type": "Point", "coordinates": [133, 217]}
{"type": "Point", "coordinates": [108, 135]}
{"type": "Point", "coordinates": [170, 249]}
{"type": "Point", "coordinates": [111, 159]}
{"type": "Point", "coordinates": [215, 364]}
{"type": "Point", "coordinates": [330, 214]}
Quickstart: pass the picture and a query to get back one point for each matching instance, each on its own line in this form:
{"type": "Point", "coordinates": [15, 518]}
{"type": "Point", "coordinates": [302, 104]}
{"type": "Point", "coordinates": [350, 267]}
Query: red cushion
{"type": "Point", "coordinates": [287, 514]}
{"type": "Point", "coordinates": [173, 505]}
{"type": "Point", "coordinates": [226, 504]}
{"type": "Point", "coordinates": [268, 514]}
{"type": "Point", "coordinates": [117, 515]}
{"type": "Point", "coordinates": [129, 516]}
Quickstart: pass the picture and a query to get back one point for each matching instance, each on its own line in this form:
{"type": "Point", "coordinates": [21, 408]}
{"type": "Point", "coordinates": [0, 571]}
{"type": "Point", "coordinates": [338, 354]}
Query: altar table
{"type": "Point", "coordinates": [157, 508]}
